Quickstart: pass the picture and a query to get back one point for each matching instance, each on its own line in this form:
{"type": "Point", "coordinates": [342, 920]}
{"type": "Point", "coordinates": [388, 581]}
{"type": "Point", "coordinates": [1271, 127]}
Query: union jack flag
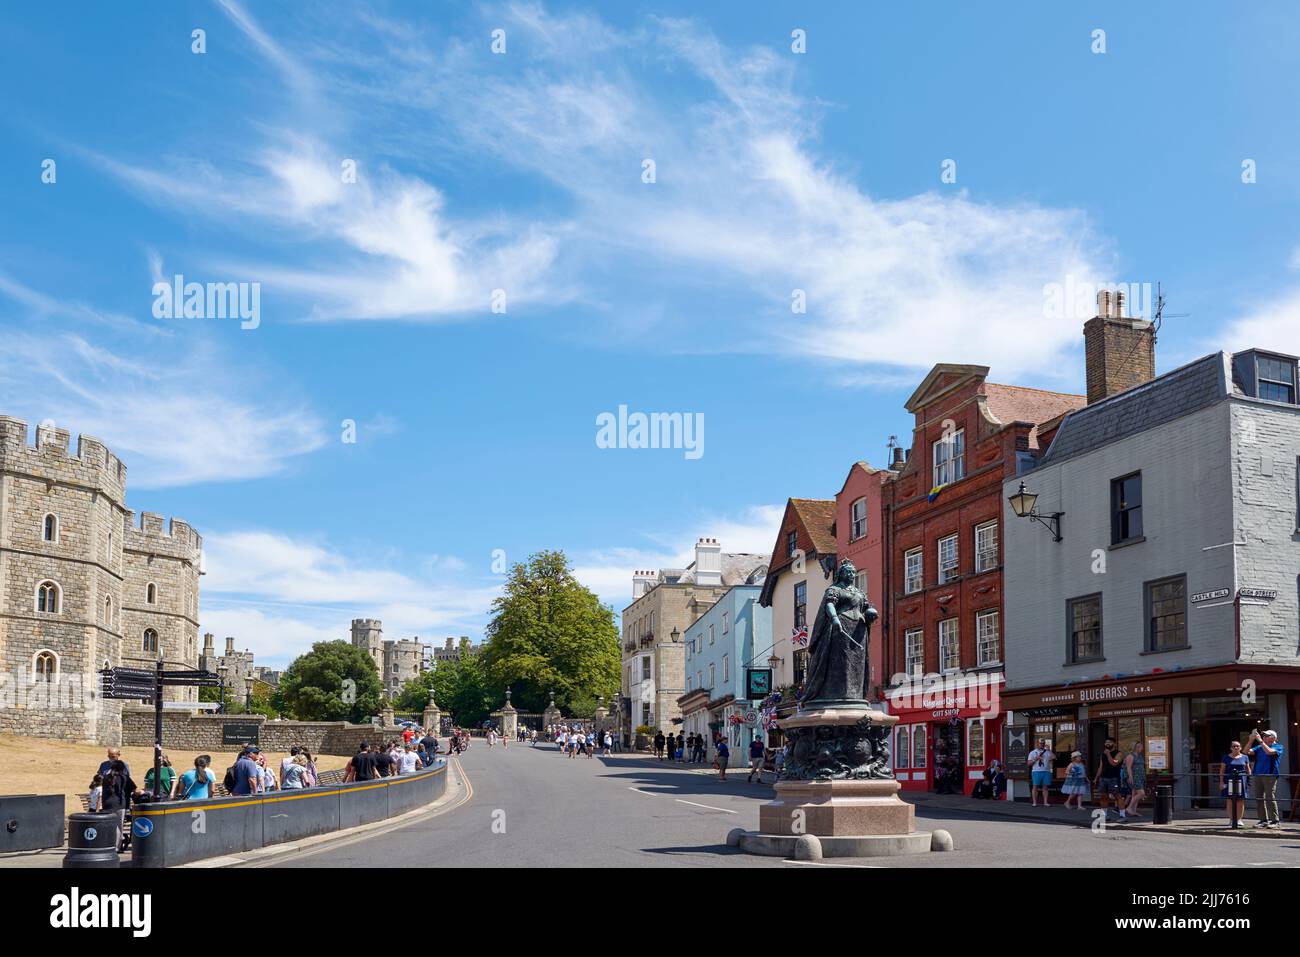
{"type": "Point", "coordinates": [799, 635]}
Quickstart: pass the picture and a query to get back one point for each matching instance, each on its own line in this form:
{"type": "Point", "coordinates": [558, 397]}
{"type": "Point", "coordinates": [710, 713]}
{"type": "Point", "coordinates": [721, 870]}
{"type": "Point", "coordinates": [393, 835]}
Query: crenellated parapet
{"type": "Point", "coordinates": [49, 458]}
{"type": "Point", "coordinates": [156, 535]}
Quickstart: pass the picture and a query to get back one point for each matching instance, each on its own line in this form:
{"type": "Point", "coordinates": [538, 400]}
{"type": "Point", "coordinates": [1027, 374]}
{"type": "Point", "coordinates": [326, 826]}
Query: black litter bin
{"type": "Point", "coordinates": [1164, 809]}
{"type": "Point", "coordinates": [92, 839]}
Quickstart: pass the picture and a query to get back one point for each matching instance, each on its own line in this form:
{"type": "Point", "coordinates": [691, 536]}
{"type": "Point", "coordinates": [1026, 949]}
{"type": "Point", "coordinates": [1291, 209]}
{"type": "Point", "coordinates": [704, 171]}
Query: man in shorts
{"type": "Point", "coordinates": [1040, 772]}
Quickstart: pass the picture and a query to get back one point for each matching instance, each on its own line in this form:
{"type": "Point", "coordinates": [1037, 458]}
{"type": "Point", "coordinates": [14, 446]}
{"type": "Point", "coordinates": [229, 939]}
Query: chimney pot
{"type": "Point", "coordinates": [1119, 352]}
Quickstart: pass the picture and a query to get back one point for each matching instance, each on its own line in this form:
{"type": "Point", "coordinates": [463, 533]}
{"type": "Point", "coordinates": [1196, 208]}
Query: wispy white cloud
{"type": "Point", "coordinates": [745, 197]}
{"type": "Point", "coordinates": [277, 594]}
{"type": "Point", "coordinates": [165, 413]}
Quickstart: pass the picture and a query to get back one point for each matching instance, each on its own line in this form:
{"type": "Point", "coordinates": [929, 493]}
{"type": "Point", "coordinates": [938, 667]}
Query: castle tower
{"type": "Point", "coordinates": [160, 602]}
{"type": "Point", "coordinates": [73, 577]}
{"type": "Point", "coordinates": [368, 635]}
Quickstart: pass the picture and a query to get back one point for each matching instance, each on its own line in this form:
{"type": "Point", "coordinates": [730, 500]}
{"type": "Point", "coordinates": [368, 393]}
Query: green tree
{"type": "Point", "coordinates": [461, 691]}
{"type": "Point", "coordinates": [550, 633]}
{"type": "Point", "coordinates": [335, 681]}
{"type": "Point", "coordinates": [264, 700]}
{"type": "Point", "coordinates": [414, 694]}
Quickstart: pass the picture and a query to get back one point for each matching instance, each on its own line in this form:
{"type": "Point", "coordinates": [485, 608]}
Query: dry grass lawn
{"type": "Point", "coordinates": [41, 766]}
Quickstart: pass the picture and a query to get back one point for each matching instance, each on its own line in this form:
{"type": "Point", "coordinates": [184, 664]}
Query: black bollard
{"type": "Point", "coordinates": [93, 837]}
{"type": "Point", "coordinates": [1164, 809]}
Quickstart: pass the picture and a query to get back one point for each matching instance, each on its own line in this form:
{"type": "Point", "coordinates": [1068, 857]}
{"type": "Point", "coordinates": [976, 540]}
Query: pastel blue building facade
{"type": "Point", "coordinates": [733, 634]}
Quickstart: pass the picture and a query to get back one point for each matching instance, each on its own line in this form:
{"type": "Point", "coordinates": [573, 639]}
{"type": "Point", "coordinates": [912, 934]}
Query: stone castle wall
{"type": "Point", "coordinates": [100, 564]}
{"type": "Point", "coordinates": [202, 732]}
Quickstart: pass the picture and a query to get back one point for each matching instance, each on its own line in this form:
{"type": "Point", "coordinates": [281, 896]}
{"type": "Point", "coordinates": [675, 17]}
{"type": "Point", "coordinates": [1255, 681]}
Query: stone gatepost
{"type": "Point", "coordinates": [432, 719]}
{"type": "Point", "coordinates": [551, 716]}
{"type": "Point", "coordinates": [386, 720]}
{"type": "Point", "coordinates": [509, 718]}
{"type": "Point", "coordinates": [600, 718]}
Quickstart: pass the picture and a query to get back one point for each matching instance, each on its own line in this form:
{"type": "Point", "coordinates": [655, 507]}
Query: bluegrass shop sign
{"type": "Point", "coordinates": [240, 732]}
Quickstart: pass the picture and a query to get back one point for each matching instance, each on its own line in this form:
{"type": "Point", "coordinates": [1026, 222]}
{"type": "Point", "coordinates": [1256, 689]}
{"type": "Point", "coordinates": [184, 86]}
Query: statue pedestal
{"type": "Point", "coordinates": [837, 796]}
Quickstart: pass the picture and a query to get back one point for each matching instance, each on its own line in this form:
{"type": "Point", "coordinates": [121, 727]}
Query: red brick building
{"type": "Point", "coordinates": [944, 623]}
{"type": "Point", "coordinates": [860, 537]}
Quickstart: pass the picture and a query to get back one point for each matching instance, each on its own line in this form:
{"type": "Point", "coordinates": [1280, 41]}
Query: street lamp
{"type": "Point", "coordinates": [675, 635]}
{"type": "Point", "coordinates": [1022, 503]}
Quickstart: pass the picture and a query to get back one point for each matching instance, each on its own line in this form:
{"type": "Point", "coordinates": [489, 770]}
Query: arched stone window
{"type": "Point", "coordinates": [50, 528]}
{"type": "Point", "coordinates": [151, 593]}
{"type": "Point", "coordinates": [108, 609]}
{"type": "Point", "coordinates": [49, 598]}
{"type": "Point", "coordinates": [45, 666]}
{"type": "Point", "coordinates": [151, 641]}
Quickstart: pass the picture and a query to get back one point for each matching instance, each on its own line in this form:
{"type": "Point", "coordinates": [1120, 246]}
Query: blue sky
{"type": "Point", "coordinates": [522, 171]}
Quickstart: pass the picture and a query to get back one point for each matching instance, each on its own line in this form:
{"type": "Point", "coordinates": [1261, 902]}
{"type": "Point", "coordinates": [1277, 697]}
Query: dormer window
{"type": "Point", "coordinates": [1276, 378]}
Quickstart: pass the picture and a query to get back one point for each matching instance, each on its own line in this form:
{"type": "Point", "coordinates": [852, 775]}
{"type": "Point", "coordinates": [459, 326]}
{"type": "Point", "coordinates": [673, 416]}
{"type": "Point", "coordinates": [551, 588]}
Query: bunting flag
{"type": "Point", "coordinates": [934, 492]}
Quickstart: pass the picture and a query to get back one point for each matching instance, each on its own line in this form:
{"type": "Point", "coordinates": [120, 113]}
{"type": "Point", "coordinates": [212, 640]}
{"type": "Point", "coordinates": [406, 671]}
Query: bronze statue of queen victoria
{"type": "Point", "coordinates": [838, 668]}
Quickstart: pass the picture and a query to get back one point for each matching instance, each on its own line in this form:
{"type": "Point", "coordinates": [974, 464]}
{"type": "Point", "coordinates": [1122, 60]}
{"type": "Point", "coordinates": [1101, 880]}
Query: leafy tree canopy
{"type": "Point", "coordinates": [550, 633]}
{"type": "Point", "coordinates": [313, 688]}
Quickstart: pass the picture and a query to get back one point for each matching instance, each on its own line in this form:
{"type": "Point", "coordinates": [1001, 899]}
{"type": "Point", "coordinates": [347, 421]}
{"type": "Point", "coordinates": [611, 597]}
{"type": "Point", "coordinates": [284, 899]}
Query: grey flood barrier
{"type": "Point", "coordinates": [30, 822]}
{"type": "Point", "coordinates": [178, 832]}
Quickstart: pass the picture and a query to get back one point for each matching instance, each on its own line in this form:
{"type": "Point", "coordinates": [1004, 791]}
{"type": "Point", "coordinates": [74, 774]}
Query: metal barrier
{"type": "Point", "coordinates": [30, 822]}
{"type": "Point", "coordinates": [1201, 791]}
{"type": "Point", "coordinates": [178, 832]}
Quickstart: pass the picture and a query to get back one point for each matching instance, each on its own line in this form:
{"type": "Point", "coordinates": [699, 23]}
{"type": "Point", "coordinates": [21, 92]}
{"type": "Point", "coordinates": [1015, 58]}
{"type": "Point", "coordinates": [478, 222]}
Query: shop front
{"type": "Point", "coordinates": [944, 749]}
{"type": "Point", "coordinates": [1183, 720]}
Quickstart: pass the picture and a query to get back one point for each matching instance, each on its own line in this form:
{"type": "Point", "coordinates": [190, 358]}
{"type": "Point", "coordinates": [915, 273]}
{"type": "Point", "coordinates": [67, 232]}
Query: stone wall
{"type": "Point", "coordinates": [202, 732]}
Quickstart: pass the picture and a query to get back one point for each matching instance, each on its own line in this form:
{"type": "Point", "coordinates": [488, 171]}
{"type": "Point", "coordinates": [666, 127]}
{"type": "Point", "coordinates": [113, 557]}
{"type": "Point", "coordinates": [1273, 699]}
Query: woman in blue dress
{"type": "Point", "coordinates": [1076, 780]}
{"type": "Point", "coordinates": [1235, 782]}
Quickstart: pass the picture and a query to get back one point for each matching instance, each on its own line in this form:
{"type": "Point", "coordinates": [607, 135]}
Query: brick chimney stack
{"type": "Point", "coordinates": [1120, 351]}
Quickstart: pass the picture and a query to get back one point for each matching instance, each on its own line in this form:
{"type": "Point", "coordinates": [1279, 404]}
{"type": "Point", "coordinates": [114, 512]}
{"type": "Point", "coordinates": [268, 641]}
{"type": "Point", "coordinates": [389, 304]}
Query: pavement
{"type": "Point", "coordinates": [1057, 813]}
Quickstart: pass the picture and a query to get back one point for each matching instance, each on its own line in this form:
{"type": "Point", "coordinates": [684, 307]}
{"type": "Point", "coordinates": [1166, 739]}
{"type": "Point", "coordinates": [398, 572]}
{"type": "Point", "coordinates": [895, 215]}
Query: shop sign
{"type": "Point", "coordinates": [1015, 750]}
{"type": "Point", "coordinates": [1112, 712]}
{"type": "Point", "coordinates": [1211, 595]}
{"type": "Point", "coordinates": [948, 713]}
{"type": "Point", "coordinates": [1263, 594]}
{"type": "Point", "coordinates": [1050, 712]}
{"type": "Point", "coordinates": [758, 682]}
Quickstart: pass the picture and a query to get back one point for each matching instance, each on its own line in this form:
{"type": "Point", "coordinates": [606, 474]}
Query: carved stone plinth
{"type": "Point", "coordinates": [837, 781]}
{"type": "Point", "coordinates": [836, 809]}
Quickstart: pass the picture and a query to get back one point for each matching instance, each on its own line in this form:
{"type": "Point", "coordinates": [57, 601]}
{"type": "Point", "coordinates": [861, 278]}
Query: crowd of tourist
{"type": "Point", "coordinates": [1120, 778]}
{"type": "Point", "coordinates": [576, 739]}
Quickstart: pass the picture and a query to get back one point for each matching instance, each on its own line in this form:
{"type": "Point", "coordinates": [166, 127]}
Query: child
{"type": "Point", "coordinates": [1076, 780]}
{"type": "Point", "coordinates": [96, 792]}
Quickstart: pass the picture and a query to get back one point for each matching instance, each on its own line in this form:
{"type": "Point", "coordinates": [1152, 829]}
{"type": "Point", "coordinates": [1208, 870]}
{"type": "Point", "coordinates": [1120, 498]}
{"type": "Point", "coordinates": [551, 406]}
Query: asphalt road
{"type": "Point", "coordinates": [536, 808]}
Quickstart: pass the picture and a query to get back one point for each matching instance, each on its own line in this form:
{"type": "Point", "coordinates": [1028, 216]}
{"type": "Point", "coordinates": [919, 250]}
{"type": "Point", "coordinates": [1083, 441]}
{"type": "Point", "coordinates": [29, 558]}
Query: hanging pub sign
{"type": "Point", "coordinates": [758, 683]}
